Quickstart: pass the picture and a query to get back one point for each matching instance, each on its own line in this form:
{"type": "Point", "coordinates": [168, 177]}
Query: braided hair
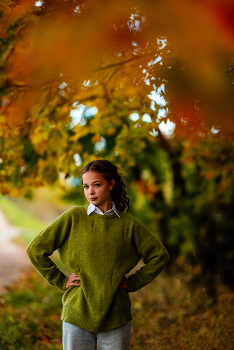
{"type": "Point", "coordinates": [109, 171]}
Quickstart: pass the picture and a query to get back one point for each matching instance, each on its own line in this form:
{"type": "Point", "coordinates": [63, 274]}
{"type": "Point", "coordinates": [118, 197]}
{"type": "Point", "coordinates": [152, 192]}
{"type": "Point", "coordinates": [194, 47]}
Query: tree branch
{"type": "Point", "coordinates": [117, 64]}
{"type": "Point", "coordinates": [63, 78]}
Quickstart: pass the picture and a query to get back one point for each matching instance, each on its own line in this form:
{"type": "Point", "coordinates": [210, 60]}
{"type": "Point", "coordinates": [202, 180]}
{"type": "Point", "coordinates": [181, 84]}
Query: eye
{"type": "Point", "coordinates": [85, 186]}
{"type": "Point", "coordinates": [97, 184]}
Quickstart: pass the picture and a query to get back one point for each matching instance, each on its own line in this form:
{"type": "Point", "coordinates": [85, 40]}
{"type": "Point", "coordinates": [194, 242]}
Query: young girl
{"type": "Point", "coordinates": [99, 243]}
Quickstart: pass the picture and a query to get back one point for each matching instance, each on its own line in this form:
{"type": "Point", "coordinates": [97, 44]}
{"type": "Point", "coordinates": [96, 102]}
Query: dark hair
{"type": "Point", "coordinates": [109, 171]}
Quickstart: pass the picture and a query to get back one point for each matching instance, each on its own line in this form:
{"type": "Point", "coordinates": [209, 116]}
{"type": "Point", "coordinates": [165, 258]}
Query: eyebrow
{"type": "Point", "coordinates": [92, 182]}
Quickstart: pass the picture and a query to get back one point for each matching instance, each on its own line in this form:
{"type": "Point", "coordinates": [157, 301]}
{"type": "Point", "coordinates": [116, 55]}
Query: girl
{"type": "Point", "coordinates": [99, 243]}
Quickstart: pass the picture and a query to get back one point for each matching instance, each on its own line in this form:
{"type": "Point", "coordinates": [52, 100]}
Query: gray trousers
{"type": "Point", "coordinates": [76, 338]}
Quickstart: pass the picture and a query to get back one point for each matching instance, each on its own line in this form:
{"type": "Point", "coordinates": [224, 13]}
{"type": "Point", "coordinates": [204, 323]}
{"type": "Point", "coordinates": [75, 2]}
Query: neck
{"type": "Point", "coordinates": [105, 206]}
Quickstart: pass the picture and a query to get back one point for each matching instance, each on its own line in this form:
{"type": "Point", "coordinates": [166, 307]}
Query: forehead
{"type": "Point", "coordinates": [92, 176]}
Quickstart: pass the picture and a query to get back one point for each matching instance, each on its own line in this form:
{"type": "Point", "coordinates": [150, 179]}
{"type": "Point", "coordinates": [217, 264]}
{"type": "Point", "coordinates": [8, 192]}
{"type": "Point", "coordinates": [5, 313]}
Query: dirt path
{"type": "Point", "coordinates": [13, 259]}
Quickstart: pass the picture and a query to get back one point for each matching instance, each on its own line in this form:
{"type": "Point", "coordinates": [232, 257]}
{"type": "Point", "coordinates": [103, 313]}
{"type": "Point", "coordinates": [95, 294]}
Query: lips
{"type": "Point", "coordinates": [93, 199]}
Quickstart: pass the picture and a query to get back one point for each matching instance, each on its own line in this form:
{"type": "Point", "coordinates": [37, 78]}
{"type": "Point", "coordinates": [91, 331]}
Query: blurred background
{"type": "Point", "coordinates": [148, 86]}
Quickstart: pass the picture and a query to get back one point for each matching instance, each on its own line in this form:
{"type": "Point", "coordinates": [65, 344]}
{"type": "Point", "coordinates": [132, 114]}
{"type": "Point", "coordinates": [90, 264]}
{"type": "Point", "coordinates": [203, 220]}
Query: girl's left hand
{"type": "Point", "coordinates": [72, 279]}
{"type": "Point", "coordinates": [123, 283]}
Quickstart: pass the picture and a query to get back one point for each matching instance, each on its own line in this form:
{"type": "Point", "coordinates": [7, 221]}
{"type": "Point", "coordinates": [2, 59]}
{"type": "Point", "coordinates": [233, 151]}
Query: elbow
{"type": "Point", "coordinates": [28, 250]}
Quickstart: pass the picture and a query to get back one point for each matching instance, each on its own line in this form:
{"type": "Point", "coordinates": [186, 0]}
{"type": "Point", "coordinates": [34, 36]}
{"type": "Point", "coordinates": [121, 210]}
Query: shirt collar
{"type": "Point", "coordinates": [91, 208]}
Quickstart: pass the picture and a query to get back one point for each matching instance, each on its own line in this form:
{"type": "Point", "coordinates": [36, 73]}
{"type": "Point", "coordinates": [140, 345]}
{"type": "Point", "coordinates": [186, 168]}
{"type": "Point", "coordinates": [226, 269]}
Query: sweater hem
{"type": "Point", "coordinates": [88, 324]}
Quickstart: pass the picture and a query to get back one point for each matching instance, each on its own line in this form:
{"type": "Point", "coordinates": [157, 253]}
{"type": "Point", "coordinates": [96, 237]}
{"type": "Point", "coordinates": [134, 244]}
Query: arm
{"type": "Point", "coordinates": [45, 243]}
{"type": "Point", "coordinates": [155, 258]}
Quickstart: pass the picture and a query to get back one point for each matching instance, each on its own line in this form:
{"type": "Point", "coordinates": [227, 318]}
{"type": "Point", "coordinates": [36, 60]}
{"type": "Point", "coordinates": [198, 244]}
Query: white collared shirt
{"type": "Point", "coordinates": [92, 208]}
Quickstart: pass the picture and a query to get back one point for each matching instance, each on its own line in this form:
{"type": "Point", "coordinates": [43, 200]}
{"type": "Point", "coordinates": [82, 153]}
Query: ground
{"type": "Point", "coordinates": [14, 261]}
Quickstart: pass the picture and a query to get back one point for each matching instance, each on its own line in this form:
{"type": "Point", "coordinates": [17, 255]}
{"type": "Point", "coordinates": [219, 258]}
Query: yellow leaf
{"type": "Point", "coordinates": [4, 5]}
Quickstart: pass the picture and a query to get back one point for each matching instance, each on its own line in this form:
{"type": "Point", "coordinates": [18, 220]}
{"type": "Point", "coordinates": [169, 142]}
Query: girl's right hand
{"type": "Point", "coordinates": [123, 283]}
{"type": "Point", "coordinates": [70, 281]}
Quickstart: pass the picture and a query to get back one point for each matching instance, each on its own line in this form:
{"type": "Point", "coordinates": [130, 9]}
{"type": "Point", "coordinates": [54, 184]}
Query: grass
{"type": "Point", "coordinates": [28, 214]}
{"type": "Point", "coordinates": [27, 223]}
{"type": "Point", "coordinates": [166, 315]}
{"type": "Point", "coordinates": [19, 217]}
{"type": "Point", "coordinates": [30, 316]}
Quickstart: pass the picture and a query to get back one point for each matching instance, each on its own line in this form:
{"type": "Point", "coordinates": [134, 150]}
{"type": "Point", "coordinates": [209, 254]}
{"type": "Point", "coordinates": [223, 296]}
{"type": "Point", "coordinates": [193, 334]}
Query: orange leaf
{"type": "Point", "coordinates": [3, 33]}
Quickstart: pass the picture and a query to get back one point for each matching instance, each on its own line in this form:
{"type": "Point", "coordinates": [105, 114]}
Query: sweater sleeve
{"type": "Point", "coordinates": [154, 255]}
{"type": "Point", "coordinates": [45, 243]}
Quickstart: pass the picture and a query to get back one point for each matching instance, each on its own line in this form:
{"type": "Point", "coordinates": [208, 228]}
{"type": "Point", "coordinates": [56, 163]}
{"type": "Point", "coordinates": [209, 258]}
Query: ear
{"type": "Point", "coordinates": [112, 184]}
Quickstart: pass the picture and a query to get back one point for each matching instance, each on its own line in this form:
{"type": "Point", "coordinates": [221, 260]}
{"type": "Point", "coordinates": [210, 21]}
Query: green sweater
{"type": "Point", "coordinates": [102, 249]}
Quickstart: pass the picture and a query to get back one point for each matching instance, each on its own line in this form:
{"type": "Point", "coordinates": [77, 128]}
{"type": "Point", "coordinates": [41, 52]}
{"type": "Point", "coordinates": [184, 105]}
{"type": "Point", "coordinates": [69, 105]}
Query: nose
{"type": "Point", "coordinates": [91, 190]}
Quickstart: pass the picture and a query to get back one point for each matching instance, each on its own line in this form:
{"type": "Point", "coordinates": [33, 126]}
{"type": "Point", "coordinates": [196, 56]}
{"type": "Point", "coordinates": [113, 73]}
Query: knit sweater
{"type": "Point", "coordinates": [101, 249]}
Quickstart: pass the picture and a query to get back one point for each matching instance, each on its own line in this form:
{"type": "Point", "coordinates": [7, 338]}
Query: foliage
{"type": "Point", "coordinates": [185, 45]}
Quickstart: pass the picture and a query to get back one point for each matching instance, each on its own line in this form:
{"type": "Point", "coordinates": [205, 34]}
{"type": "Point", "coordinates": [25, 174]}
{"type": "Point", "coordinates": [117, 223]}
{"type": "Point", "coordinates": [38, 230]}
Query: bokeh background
{"type": "Point", "coordinates": [148, 85]}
